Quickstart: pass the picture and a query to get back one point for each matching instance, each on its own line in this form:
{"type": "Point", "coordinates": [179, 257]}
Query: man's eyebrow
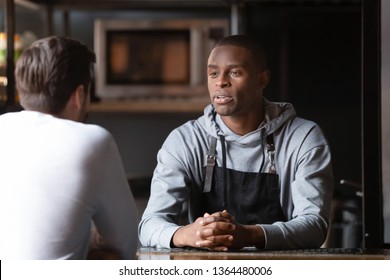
{"type": "Point", "coordinates": [229, 66]}
{"type": "Point", "coordinates": [234, 65]}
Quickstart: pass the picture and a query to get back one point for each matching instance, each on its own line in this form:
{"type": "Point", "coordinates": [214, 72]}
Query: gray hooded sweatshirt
{"type": "Point", "coordinates": [302, 159]}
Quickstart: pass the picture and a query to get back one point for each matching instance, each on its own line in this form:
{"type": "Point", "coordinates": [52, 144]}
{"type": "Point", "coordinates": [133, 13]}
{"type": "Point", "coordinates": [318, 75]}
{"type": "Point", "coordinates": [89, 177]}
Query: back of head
{"type": "Point", "coordinates": [49, 71]}
{"type": "Point", "coordinates": [248, 43]}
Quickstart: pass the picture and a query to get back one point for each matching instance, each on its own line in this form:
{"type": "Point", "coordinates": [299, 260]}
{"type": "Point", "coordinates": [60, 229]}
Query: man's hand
{"type": "Point", "coordinates": [219, 232]}
{"type": "Point", "coordinates": [213, 232]}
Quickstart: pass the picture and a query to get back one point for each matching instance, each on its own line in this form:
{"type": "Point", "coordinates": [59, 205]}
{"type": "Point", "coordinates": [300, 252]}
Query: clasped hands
{"type": "Point", "coordinates": [218, 232]}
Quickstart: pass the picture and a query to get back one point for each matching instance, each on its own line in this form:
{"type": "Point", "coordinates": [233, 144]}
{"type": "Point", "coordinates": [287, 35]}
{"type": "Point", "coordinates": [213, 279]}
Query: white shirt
{"type": "Point", "coordinates": [56, 177]}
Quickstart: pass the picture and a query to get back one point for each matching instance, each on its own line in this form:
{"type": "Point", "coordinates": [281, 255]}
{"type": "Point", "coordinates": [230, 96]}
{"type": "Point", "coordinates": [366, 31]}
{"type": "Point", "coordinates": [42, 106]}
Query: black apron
{"type": "Point", "coordinates": [252, 198]}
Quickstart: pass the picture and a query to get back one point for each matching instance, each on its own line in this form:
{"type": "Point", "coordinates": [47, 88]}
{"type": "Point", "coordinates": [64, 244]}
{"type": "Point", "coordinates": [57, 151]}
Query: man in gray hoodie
{"type": "Point", "coordinates": [249, 172]}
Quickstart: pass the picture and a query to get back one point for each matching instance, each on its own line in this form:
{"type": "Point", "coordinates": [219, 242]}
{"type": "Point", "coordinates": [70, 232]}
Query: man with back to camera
{"type": "Point", "coordinates": [59, 176]}
{"type": "Point", "coordinates": [249, 172]}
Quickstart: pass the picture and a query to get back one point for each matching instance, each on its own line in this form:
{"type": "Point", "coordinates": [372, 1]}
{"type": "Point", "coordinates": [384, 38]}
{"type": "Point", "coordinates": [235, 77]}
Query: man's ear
{"type": "Point", "coordinates": [78, 98]}
{"type": "Point", "coordinates": [264, 78]}
{"type": "Point", "coordinates": [75, 104]}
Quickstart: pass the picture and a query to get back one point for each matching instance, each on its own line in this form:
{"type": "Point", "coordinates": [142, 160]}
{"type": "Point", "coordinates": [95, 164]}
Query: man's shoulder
{"type": "Point", "coordinates": [80, 134]}
{"type": "Point", "coordinates": [191, 129]}
{"type": "Point", "coordinates": [92, 131]}
{"type": "Point", "coordinates": [302, 123]}
{"type": "Point", "coordinates": [305, 130]}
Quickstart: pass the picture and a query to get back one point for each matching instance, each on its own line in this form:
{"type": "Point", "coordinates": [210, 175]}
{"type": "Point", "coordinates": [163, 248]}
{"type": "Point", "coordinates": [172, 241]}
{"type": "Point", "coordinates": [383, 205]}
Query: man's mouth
{"type": "Point", "coordinates": [222, 98]}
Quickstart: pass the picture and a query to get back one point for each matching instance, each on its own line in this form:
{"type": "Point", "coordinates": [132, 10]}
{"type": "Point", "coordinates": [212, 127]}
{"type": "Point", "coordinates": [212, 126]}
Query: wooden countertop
{"type": "Point", "coordinates": [148, 253]}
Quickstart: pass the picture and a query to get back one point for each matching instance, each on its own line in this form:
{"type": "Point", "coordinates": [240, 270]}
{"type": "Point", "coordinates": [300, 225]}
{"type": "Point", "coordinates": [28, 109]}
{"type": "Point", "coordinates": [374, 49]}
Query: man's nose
{"type": "Point", "coordinates": [223, 81]}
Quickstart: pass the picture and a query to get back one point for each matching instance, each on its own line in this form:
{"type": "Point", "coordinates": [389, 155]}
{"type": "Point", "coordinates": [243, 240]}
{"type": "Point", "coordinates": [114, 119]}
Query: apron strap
{"type": "Point", "coordinates": [211, 161]}
{"type": "Point", "coordinates": [271, 154]}
{"type": "Point", "coordinates": [210, 165]}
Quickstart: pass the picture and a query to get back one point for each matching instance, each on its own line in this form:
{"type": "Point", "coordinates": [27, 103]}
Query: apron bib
{"type": "Point", "coordinates": [252, 198]}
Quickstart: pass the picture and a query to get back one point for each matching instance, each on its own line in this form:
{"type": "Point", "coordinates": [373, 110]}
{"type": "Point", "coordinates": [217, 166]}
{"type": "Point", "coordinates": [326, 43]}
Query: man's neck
{"type": "Point", "coordinates": [243, 124]}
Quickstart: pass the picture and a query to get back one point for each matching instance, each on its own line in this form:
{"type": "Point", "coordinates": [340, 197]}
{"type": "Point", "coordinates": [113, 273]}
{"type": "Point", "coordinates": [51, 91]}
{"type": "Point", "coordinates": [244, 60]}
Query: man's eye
{"type": "Point", "coordinates": [213, 74]}
{"type": "Point", "coordinates": [234, 73]}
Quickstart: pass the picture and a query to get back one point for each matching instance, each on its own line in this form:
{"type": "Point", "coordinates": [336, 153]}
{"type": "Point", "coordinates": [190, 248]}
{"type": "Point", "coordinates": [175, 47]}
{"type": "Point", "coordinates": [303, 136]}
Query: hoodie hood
{"type": "Point", "coordinates": [276, 114]}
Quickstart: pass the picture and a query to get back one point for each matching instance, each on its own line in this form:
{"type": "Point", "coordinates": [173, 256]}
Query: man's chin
{"type": "Point", "coordinates": [221, 111]}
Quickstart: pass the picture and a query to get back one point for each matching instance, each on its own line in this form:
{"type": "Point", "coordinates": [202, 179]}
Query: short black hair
{"type": "Point", "coordinates": [244, 41]}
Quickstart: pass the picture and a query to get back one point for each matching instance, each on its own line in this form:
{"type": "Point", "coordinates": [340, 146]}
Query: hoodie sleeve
{"type": "Point", "coordinates": [308, 187]}
{"type": "Point", "coordinates": [169, 191]}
